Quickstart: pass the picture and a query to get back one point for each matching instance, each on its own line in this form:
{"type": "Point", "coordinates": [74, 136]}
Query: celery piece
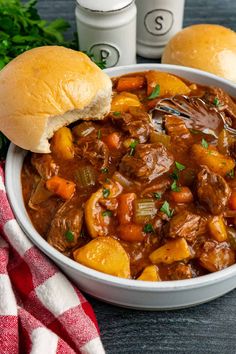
{"type": "Point", "coordinates": [86, 176]}
{"type": "Point", "coordinates": [144, 210]}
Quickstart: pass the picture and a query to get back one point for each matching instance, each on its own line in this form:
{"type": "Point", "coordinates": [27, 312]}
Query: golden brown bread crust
{"type": "Point", "coordinates": [46, 88]}
{"type": "Point", "coordinates": [207, 47]}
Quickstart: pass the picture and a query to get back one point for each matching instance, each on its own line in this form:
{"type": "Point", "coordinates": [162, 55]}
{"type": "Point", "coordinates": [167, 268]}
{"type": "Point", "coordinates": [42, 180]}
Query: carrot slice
{"type": "Point", "coordinates": [125, 208]}
{"type": "Point", "coordinates": [183, 196]}
{"type": "Point", "coordinates": [131, 232]}
{"type": "Point", "coordinates": [112, 140]}
{"type": "Point", "coordinates": [61, 187]}
{"type": "Point", "coordinates": [130, 83]}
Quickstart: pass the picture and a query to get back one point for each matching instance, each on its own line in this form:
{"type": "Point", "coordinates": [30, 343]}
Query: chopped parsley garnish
{"type": "Point", "coordinates": [179, 166]}
{"type": "Point", "coordinates": [174, 187]}
{"type": "Point", "coordinates": [116, 114]}
{"type": "Point", "coordinates": [99, 134]}
{"type": "Point", "coordinates": [216, 101]}
{"type": "Point", "coordinates": [132, 147]}
{"type": "Point", "coordinates": [148, 228]}
{"type": "Point", "coordinates": [165, 208]}
{"type": "Point", "coordinates": [107, 213]}
{"type": "Point", "coordinates": [231, 174]}
{"type": "Point", "coordinates": [204, 143]}
{"type": "Point", "coordinates": [104, 170]}
{"type": "Point", "coordinates": [155, 93]}
{"type": "Point", "coordinates": [69, 236]}
{"type": "Point", "coordinates": [175, 174]}
{"type": "Point", "coordinates": [157, 195]}
{"type": "Point", "coordinates": [105, 192]}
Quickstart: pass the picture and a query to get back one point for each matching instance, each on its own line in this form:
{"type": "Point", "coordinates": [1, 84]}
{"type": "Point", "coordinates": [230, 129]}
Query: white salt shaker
{"type": "Point", "coordinates": [157, 22]}
{"type": "Point", "coordinates": [107, 29]}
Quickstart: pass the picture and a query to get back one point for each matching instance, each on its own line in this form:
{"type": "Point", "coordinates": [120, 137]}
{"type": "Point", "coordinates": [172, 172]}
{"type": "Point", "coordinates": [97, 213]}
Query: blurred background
{"type": "Point", "coordinates": [222, 12]}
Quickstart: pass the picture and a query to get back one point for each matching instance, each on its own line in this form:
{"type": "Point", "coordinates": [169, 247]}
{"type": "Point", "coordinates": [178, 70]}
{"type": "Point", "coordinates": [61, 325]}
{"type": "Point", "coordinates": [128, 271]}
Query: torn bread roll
{"type": "Point", "coordinates": [47, 88]}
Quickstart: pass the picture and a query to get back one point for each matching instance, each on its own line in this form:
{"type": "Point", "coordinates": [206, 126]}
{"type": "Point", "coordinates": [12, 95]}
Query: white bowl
{"type": "Point", "coordinates": [118, 291]}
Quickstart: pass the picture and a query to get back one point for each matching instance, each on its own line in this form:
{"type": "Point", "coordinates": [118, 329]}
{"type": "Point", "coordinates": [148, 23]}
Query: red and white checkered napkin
{"type": "Point", "coordinates": [41, 312]}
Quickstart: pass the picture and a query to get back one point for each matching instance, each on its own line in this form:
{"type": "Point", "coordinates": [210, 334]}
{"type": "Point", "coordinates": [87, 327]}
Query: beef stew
{"type": "Point", "coordinates": [149, 193]}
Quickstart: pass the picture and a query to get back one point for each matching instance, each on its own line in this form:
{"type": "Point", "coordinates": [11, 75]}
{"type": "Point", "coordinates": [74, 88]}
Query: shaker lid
{"type": "Point", "coordinates": [104, 5]}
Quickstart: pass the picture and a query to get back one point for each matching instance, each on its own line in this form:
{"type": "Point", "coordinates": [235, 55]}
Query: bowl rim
{"type": "Point", "coordinates": [26, 225]}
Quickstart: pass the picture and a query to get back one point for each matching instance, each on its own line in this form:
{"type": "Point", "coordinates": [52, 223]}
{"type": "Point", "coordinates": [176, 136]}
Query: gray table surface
{"type": "Point", "coordinates": [208, 328]}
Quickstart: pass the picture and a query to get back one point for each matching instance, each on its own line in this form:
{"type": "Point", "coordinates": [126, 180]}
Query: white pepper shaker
{"type": "Point", "coordinates": [107, 29]}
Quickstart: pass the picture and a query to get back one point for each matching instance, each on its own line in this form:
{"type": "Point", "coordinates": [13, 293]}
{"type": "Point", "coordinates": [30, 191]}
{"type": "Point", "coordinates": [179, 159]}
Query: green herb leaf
{"type": "Point", "coordinates": [132, 147]}
{"type": "Point", "coordinates": [155, 93]}
{"type": "Point", "coordinates": [231, 174]}
{"type": "Point", "coordinates": [106, 192]}
{"type": "Point", "coordinates": [117, 114]}
{"type": "Point", "coordinates": [107, 213]}
{"type": "Point", "coordinates": [179, 166]}
{"type": "Point", "coordinates": [21, 29]}
{"type": "Point", "coordinates": [104, 170]}
{"type": "Point", "coordinates": [175, 174]}
{"type": "Point", "coordinates": [148, 229]}
{"type": "Point", "coordinates": [100, 63]}
{"type": "Point", "coordinates": [165, 208]}
{"type": "Point", "coordinates": [174, 187]}
{"type": "Point", "coordinates": [204, 143]}
{"type": "Point", "coordinates": [69, 236]}
{"type": "Point", "coordinates": [157, 195]}
{"type": "Point", "coordinates": [216, 101]}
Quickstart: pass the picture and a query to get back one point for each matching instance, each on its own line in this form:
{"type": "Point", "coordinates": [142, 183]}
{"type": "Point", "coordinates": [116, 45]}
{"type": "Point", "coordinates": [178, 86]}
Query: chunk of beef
{"type": "Point", "coordinates": [149, 161]}
{"type": "Point", "coordinates": [187, 225]}
{"type": "Point", "coordinates": [157, 224]}
{"type": "Point", "coordinates": [65, 227]}
{"type": "Point", "coordinates": [180, 271]}
{"type": "Point", "coordinates": [213, 191]}
{"type": "Point", "coordinates": [45, 165]}
{"type": "Point", "coordinates": [136, 122]}
{"type": "Point", "coordinates": [176, 128]}
{"type": "Point", "coordinates": [226, 104]}
{"type": "Point", "coordinates": [94, 150]}
{"type": "Point", "coordinates": [157, 187]}
{"type": "Point", "coordinates": [216, 256]}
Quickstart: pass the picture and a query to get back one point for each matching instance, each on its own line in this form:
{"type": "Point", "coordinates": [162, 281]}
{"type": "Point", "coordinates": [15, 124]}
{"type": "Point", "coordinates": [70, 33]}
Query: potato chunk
{"type": "Point", "coordinates": [170, 85]}
{"type": "Point", "coordinates": [124, 100]}
{"type": "Point", "coordinates": [172, 251]}
{"type": "Point", "coordinates": [106, 255]}
{"type": "Point", "coordinates": [96, 224]}
{"type": "Point", "coordinates": [215, 161]}
{"type": "Point", "coordinates": [217, 229]}
{"type": "Point", "coordinates": [150, 273]}
{"type": "Point", "coordinates": [62, 144]}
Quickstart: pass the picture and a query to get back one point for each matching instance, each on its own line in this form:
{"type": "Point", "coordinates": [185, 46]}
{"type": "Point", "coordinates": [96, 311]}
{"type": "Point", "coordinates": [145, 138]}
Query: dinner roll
{"type": "Point", "coordinates": [207, 47]}
{"type": "Point", "coordinates": [46, 88]}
